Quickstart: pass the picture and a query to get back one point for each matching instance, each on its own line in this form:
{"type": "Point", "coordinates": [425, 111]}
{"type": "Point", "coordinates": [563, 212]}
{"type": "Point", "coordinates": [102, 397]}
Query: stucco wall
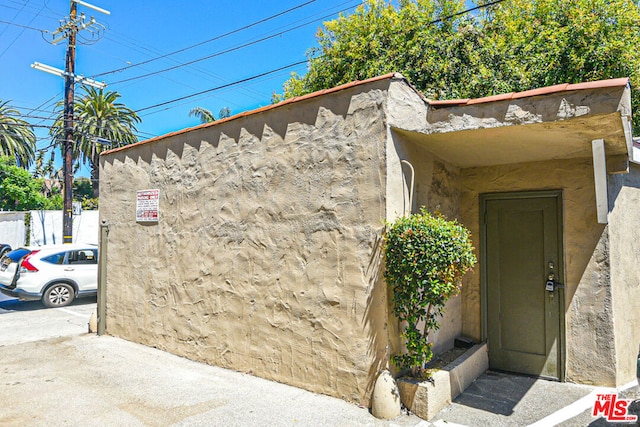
{"type": "Point", "coordinates": [266, 255]}
{"type": "Point", "coordinates": [590, 350]}
{"type": "Point", "coordinates": [436, 188]}
{"type": "Point", "coordinates": [624, 241]}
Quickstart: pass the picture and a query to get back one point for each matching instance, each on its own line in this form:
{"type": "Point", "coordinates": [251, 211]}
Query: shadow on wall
{"type": "Point", "coordinates": [256, 124]}
{"type": "Point", "coordinates": [377, 314]}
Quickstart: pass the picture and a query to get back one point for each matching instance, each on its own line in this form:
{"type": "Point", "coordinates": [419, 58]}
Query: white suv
{"type": "Point", "coordinates": [55, 274]}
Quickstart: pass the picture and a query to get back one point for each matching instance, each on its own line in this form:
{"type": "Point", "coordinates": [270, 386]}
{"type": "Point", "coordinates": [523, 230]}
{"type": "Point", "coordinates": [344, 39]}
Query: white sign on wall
{"type": "Point", "coordinates": [147, 204]}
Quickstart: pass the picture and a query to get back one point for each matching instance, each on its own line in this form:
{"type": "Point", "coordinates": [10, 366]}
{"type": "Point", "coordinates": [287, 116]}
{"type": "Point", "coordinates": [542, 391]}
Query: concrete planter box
{"type": "Point", "coordinates": [427, 398]}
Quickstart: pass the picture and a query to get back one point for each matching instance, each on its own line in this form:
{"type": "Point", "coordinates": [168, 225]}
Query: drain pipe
{"type": "Point", "coordinates": [413, 173]}
{"type": "Point", "coordinates": [102, 276]}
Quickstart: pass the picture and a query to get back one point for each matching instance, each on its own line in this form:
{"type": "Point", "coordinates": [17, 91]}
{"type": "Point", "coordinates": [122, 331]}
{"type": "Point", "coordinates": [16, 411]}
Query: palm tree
{"type": "Point", "coordinates": [17, 139]}
{"type": "Point", "coordinates": [206, 116]}
{"type": "Point", "coordinates": [99, 123]}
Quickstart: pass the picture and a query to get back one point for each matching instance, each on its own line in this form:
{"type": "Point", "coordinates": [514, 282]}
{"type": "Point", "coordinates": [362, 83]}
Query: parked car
{"type": "Point", "coordinates": [4, 248]}
{"type": "Point", "coordinates": [55, 274]}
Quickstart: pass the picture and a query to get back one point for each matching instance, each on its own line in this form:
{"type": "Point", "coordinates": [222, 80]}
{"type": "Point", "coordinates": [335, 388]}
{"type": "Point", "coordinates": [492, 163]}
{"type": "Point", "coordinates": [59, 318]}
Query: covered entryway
{"type": "Point", "coordinates": [540, 175]}
{"type": "Point", "coordinates": [522, 255]}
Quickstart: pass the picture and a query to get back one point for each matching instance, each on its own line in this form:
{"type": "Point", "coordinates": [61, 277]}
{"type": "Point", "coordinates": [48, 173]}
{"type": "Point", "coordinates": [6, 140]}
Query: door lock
{"type": "Point", "coordinates": [551, 283]}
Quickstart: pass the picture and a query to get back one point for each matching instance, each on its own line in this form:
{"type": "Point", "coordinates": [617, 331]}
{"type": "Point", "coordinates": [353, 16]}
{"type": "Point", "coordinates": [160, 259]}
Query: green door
{"type": "Point", "coordinates": [522, 249]}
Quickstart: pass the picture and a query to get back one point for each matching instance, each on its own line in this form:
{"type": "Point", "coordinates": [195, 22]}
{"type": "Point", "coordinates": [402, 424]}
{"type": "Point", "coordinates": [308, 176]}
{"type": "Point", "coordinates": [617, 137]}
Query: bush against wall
{"type": "Point", "coordinates": [426, 257]}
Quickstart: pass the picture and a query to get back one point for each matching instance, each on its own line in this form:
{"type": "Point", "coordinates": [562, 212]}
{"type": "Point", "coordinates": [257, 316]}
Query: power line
{"type": "Point", "coordinates": [294, 64]}
{"type": "Point", "coordinates": [473, 9]}
{"type": "Point", "coordinates": [237, 30]}
{"type": "Point", "coordinates": [206, 72]}
{"type": "Point", "coordinates": [233, 49]}
{"type": "Point", "coordinates": [237, 82]}
{"type": "Point", "coordinates": [23, 26]}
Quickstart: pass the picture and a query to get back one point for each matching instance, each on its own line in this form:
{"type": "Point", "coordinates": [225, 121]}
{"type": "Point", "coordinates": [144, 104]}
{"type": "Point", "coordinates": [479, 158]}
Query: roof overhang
{"type": "Point", "coordinates": [547, 126]}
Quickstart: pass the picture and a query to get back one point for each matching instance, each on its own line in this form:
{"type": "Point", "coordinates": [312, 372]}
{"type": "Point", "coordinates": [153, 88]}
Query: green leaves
{"type": "Point", "coordinates": [97, 114]}
{"type": "Point", "coordinates": [16, 136]}
{"type": "Point", "coordinates": [426, 257]}
{"type": "Point", "coordinates": [19, 191]}
{"type": "Point", "coordinates": [515, 45]}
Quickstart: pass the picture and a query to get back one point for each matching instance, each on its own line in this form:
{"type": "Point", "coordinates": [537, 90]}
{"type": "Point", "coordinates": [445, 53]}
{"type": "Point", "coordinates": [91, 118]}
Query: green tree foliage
{"type": "Point", "coordinates": [426, 257]}
{"type": "Point", "coordinates": [515, 45]}
{"type": "Point", "coordinates": [83, 192]}
{"type": "Point", "coordinates": [82, 189]}
{"type": "Point", "coordinates": [19, 191]}
{"type": "Point", "coordinates": [16, 136]}
{"type": "Point", "coordinates": [100, 123]}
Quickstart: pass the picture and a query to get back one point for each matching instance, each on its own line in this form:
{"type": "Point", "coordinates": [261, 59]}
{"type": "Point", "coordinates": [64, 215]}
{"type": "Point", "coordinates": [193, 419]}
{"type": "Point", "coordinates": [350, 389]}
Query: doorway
{"type": "Point", "coordinates": [522, 282]}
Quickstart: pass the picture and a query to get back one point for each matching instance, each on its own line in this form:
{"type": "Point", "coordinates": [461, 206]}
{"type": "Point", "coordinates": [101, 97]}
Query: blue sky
{"type": "Point", "coordinates": [137, 31]}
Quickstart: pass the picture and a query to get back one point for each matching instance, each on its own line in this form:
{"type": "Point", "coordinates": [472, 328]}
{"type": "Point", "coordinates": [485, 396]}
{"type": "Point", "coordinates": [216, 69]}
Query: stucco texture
{"type": "Point", "coordinates": [589, 331]}
{"type": "Point", "coordinates": [624, 238]}
{"type": "Point", "coordinates": [266, 256]}
{"type": "Point", "coordinates": [436, 187]}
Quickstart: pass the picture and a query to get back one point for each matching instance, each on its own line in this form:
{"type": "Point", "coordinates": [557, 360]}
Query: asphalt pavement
{"type": "Point", "coordinates": [52, 372]}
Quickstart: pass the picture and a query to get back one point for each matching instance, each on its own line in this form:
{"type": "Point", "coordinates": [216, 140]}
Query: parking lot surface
{"type": "Point", "coordinates": [54, 373]}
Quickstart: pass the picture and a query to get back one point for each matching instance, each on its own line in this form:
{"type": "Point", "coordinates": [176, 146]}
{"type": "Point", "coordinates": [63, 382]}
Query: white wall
{"type": "Point", "coordinates": [46, 227]}
{"type": "Point", "coordinates": [12, 229]}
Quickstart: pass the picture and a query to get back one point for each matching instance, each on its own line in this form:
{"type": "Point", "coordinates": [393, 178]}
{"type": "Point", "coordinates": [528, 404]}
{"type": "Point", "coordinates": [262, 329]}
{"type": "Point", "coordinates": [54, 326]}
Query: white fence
{"type": "Point", "coordinates": [12, 228]}
{"type": "Point", "coordinates": [46, 228]}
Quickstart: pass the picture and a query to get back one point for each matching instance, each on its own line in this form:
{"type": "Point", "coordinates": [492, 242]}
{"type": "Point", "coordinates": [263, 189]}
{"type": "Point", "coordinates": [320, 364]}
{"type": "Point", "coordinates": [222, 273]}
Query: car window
{"type": "Point", "coordinates": [82, 256]}
{"type": "Point", "coordinates": [55, 258]}
{"type": "Point", "coordinates": [17, 254]}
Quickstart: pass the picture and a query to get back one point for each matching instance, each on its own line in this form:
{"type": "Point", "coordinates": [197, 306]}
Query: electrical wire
{"type": "Point", "coordinates": [237, 30]}
{"type": "Point", "coordinates": [235, 83]}
{"type": "Point", "coordinates": [233, 49]}
{"type": "Point", "coordinates": [473, 9]}
{"type": "Point", "coordinates": [249, 92]}
{"type": "Point", "coordinates": [23, 26]}
{"type": "Point", "coordinates": [295, 64]}
{"type": "Point", "coordinates": [245, 80]}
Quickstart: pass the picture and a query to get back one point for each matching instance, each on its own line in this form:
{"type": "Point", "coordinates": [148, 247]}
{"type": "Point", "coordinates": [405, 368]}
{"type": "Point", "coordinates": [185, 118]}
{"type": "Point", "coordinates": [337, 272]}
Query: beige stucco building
{"type": "Point", "coordinates": [266, 253]}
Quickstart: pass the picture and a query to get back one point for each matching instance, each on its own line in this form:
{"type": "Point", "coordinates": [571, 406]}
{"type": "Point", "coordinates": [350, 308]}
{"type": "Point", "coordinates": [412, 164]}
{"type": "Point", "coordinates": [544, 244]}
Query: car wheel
{"type": "Point", "coordinates": [58, 295]}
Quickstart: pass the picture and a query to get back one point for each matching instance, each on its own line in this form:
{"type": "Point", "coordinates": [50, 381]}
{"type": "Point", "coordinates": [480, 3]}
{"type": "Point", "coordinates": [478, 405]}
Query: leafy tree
{"type": "Point", "coordinates": [206, 116]}
{"type": "Point", "coordinates": [544, 42]}
{"type": "Point", "coordinates": [83, 192]}
{"type": "Point", "coordinates": [82, 189]}
{"type": "Point", "coordinates": [515, 45]}
{"type": "Point", "coordinates": [19, 191]}
{"type": "Point", "coordinates": [99, 123]}
{"type": "Point", "coordinates": [16, 136]}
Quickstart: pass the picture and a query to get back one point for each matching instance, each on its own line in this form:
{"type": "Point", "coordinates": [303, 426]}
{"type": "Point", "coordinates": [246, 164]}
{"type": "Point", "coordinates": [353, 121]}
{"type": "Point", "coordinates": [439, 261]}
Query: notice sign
{"type": "Point", "coordinates": [147, 205]}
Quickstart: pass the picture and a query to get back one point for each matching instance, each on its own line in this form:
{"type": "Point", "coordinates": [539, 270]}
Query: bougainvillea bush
{"type": "Point", "coordinates": [426, 257]}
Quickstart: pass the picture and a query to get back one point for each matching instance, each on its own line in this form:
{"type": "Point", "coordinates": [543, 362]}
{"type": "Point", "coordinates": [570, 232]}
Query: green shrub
{"type": "Point", "coordinates": [90, 204]}
{"type": "Point", "coordinates": [426, 257]}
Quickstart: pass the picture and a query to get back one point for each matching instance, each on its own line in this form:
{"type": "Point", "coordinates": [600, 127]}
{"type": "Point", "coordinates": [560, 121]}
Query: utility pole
{"type": "Point", "coordinates": [68, 29]}
{"type": "Point", "coordinates": [69, 93]}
